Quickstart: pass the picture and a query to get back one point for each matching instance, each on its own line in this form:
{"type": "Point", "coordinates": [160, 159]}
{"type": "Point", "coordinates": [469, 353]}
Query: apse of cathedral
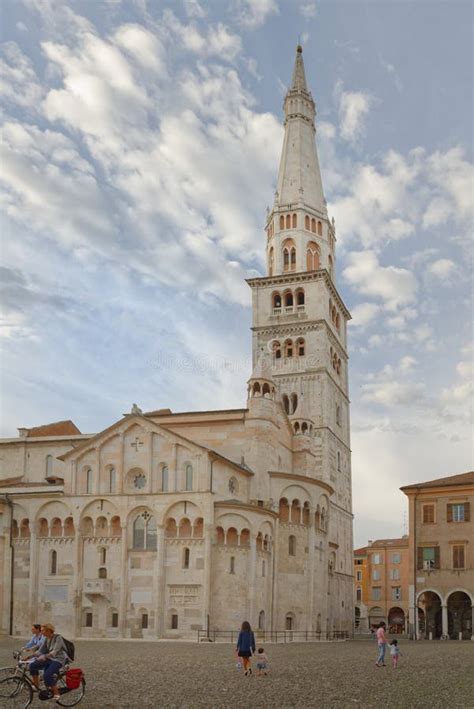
{"type": "Point", "coordinates": [168, 523]}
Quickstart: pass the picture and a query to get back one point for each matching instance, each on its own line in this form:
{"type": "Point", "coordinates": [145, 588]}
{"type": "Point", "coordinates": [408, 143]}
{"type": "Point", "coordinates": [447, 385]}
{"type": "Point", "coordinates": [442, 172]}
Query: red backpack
{"type": "Point", "coordinates": [74, 678]}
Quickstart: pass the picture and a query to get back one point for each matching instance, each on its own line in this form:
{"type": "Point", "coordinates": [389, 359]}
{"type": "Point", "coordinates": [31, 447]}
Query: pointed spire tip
{"type": "Point", "coordinates": [299, 49]}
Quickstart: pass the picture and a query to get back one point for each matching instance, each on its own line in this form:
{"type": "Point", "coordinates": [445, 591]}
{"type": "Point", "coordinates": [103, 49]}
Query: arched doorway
{"type": "Point", "coordinates": [396, 620]}
{"type": "Point", "coordinates": [376, 616]}
{"type": "Point", "coordinates": [356, 616]}
{"type": "Point", "coordinates": [459, 615]}
{"type": "Point", "coordinates": [430, 603]}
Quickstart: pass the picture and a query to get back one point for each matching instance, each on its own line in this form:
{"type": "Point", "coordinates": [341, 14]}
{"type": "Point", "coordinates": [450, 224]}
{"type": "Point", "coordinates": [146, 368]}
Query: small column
{"type": "Point", "coordinates": [123, 582]}
{"type": "Point", "coordinates": [417, 624]}
{"type": "Point", "coordinates": [311, 542]}
{"type": "Point", "coordinates": [444, 620]}
{"type": "Point", "coordinates": [275, 548]}
{"type": "Point", "coordinates": [206, 601]}
{"type": "Point", "coordinates": [252, 577]}
{"type": "Point", "coordinates": [78, 581]}
{"type": "Point", "coordinates": [174, 468]}
{"type": "Point", "coordinates": [159, 580]}
{"type": "Point", "coordinates": [33, 580]}
{"type": "Point", "coordinates": [472, 622]}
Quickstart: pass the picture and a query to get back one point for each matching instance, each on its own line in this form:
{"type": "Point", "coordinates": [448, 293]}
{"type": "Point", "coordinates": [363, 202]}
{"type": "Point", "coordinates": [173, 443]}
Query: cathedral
{"type": "Point", "coordinates": [164, 523]}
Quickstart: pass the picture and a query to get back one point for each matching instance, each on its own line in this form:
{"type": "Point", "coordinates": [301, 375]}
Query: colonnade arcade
{"type": "Point", "coordinates": [451, 616]}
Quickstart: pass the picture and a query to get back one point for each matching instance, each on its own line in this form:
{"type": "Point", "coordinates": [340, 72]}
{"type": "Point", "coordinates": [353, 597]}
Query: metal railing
{"type": "Point", "coordinates": [274, 636]}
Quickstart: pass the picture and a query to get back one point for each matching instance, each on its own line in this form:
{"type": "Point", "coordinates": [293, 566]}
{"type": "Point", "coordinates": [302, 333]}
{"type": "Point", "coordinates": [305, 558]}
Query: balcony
{"type": "Point", "coordinates": [98, 587]}
{"type": "Point", "coordinates": [298, 310]}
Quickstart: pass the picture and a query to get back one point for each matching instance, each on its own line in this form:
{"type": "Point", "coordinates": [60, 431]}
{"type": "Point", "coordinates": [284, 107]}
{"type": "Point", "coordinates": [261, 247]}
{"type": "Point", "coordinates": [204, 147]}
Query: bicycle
{"type": "Point", "coordinates": [18, 689]}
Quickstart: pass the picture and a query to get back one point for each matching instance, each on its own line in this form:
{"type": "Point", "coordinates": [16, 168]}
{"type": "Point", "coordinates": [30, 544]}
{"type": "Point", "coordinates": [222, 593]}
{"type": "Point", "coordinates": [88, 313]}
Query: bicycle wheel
{"type": "Point", "coordinates": [70, 697]}
{"type": "Point", "coordinates": [6, 672]}
{"type": "Point", "coordinates": [15, 693]}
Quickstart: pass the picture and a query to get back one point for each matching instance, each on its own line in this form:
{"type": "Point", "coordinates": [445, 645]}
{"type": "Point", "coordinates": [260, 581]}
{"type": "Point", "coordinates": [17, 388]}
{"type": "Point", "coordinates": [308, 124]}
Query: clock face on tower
{"type": "Point", "coordinates": [139, 481]}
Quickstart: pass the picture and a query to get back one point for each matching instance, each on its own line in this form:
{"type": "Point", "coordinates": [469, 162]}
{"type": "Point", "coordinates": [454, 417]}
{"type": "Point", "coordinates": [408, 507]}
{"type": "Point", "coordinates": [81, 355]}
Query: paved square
{"type": "Point", "coordinates": [147, 674]}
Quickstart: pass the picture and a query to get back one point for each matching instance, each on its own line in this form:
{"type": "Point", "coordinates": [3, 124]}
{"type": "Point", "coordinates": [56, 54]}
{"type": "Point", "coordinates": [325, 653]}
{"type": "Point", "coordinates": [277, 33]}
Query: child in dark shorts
{"type": "Point", "coordinates": [262, 662]}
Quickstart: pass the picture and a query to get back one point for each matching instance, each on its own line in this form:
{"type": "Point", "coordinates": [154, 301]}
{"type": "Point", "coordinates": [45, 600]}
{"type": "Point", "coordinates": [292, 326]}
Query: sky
{"type": "Point", "coordinates": [140, 150]}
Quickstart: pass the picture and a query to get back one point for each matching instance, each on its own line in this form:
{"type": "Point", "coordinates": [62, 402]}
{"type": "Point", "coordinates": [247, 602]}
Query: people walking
{"type": "Point", "coordinates": [381, 645]}
{"type": "Point", "coordinates": [262, 662]}
{"type": "Point", "coordinates": [246, 646]}
{"type": "Point", "coordinates": [395, 653]}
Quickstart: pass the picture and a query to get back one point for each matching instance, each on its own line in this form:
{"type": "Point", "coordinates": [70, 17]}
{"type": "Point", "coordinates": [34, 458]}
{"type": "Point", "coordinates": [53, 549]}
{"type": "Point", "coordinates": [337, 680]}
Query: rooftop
{"type": "Point", "coordinates": [58, 428]}
{"type": "Point", "coordinates": [460, 479]}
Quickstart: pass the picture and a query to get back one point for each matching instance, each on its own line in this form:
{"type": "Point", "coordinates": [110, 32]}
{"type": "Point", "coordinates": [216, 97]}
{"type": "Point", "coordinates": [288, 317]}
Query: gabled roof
{"type": "Point", "coordinates": [360, 552]}
{"type": "Point", "coordinates": [399, 542]}
{"type": "Point", "coordinates": [460, 479]}
{"type": "Point", "coordinates": [58, 428]}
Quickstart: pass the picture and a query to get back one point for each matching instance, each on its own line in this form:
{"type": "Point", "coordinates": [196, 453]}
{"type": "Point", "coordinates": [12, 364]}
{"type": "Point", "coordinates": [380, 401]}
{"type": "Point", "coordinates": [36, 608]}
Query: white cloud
{"type": "Point", "coordinates": [218, 41]}
{"type": "Point", "coordinates": [18, 81]}
{"type": "Point", "coordinates": [363, 314]}
{"type": "Point", "coordinates": [308, 10]}
{"type": "Point", "coordinates": [353, 110]}
{"type": "Point", "coordinates": [194, 9]}
{"type": "Point", "coordinates": [143, 46]}
{"type": "Point", "coordinates": [254, 13]}
{"type": "Point", "coordinates": [394, 286]}
{"type": "Point", "coordinates": [438, 211]}
{"type": "Point", "coordinates": [443, 269]}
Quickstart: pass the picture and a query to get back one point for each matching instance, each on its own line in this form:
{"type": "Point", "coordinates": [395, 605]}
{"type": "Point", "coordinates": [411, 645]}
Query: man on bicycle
{"type": "Point", "coordinates": [52, 655]}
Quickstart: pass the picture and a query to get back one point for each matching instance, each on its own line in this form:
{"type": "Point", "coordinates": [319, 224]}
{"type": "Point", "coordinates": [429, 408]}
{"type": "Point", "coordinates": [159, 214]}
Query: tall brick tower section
{"type": "Point", "coordinates": [300, 327]}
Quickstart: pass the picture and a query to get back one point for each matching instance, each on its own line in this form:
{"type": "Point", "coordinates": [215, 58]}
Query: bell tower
{"type": "Point", "coordinates": [299, 318]}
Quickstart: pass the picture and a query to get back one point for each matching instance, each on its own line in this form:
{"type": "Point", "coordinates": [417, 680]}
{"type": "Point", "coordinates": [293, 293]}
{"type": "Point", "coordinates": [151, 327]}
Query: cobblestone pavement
{"type": "Point", "coordinates": [133, 674]}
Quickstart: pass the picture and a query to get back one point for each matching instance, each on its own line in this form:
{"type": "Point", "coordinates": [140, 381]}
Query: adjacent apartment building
{"type": "Point", "coordinates": [441, 563]}
{"type": "Point", "coordinates": [381, 571]}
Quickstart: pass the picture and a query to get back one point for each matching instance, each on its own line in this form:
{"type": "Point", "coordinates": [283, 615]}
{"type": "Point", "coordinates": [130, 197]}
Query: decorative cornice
{"type": "Point", "coordinates": [251, 508]}
{"type": "Point", "coordinates": [302, 478]}
{"type": "Point", "coordinates": [301, 277]}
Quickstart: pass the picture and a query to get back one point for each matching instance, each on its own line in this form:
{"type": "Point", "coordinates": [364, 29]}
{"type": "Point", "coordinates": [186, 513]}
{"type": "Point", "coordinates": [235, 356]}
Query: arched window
{"type": "Point", "coordinates": [293, 221]}
{"type": "Point", "coordinates": [338, 321]}
{"type": "Point", "coordinates": [286, 403]}
{"type": "Point", "coordinates": [112, 479]}
{"type": "Point", "coordinates": [164, 478]}
{"type": "Point", "coordinates": [102, 572]}
{"type": "Point", "coordinates": [288, 299]}
{"type": "Point", "coordinates": [232, 537]}
{"type": "Point", "coordinates": [261, 620]}
{"type": "Point", "coordinates": [256, 389]}
{"type": "Point", "coordinates": [56, 527]}
{"type": "Point", "coordinates": [114, 619]}
{"type": "Point", "coordinates": [312, 256]}
{"type": "Point", "coordinates": [284, 510]}
{"type": "Point", "coordinates": [289, 255]}
{"type": "Point", "coordinates": [338, 414]}
{"type": "Point", "coordinates": [189, 477]}
{"type": "Point", "coordinates": [186, 558]}
{"type": "Point", "coordinates": [293, 403]}
{"type": "Point", "coordinates": [144, 532]}
{"type": "Point", "coordinates": [102, 556]}
{"type": "Point", "coordinates": [89, 481]}
{"type": "Point", "coordinates": [282, 222]}
{"type": "Point", "coordinates": [313, 225]}
{"type": "Point", "coordinates": [271, 257]}
{"type": "Point", "coordinates": [296, 427]}
{"type": "Point", "coordinates": [25, 529]}
{"type": "Point", "coordinates": [292, 545]}
{"type": "Point", "coordinates": [185, 529]}
{"type": "Point", "coordinates": [320, 229]}
{"type": "Point", "coordinates": [300, 297]}
{"type": "Point", "coordinates": [171, 529]}
{"type": "Point", "coordinates": [144, 621]}
{"type": "Point", "coordinates": [276, 301]}
{"type": "Point", "coordinates": [49, 466]}
{"type": "Point", "coordinates": [289, 622]}
{"type": "Point", "coordinates": [276, 348]}
{"type": "Point", "coordinates": [288, 348]}
{"type": "Point", "coordinates": [293, 259]}
{"type": "Point", "coordinates": [286, 259]}
{"type": "Point", "coordinates": [306, 222]}
{"type": "Point", "coordinates": [304, 427]}
{"type": "Point", "coordinates": [53, 563]}
{"type": "Point", "coordinates": [232, 565]}
{"type": "Point", "coordinates": [300, 347]}
{"type": "Point", "coordinates": [288, 221]}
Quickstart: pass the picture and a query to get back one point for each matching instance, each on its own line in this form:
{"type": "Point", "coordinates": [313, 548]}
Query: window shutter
{"type": "Point", "coordinates": [461, 558]}
{"type": "Point", "coordinates": [419, 558]}
{"type": "Point", "coordinates": [450, 513]}
{"type": "Point", "coordinates": [467, 512]}
{"type": "Point", "coordinates": [437, 566]}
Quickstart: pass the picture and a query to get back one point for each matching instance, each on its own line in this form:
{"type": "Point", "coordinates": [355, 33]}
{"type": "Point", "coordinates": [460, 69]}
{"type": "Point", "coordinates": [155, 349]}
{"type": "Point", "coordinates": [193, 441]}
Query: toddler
{"type": "Point", "coordinates": [262, 662]}
{"type": "Point", "coordinates": [395, 653]}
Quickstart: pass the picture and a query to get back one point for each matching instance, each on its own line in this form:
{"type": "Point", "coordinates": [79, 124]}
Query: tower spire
{"type": "Point", "coordinates": [298, 81]}
{"type": "Point", "coordinates": [299, 177]}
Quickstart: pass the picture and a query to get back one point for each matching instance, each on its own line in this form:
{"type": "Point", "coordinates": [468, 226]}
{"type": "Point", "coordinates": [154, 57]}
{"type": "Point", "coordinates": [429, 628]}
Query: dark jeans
{"type": "Point", "coordinates": [50, 667]}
